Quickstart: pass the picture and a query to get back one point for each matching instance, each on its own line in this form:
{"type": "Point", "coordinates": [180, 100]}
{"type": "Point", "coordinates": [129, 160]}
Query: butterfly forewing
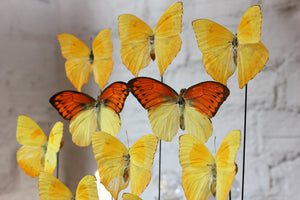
{"type": "Point", "coordinates": [50, 188]}
{"type": "Point", "coordinates": [196, 162]}
{"type": "Point", "coordinates": [249, 29]}
{"type": "Point", "coordinates": [70, 103]}
{"type": "Point", "coordinates": [87, 189]}
{"type": "Point", "coordinates": [206, 97]}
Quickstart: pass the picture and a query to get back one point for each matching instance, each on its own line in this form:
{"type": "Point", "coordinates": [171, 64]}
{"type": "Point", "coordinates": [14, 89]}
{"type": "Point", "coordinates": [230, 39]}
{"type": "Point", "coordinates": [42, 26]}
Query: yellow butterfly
{"type": "Point", "coordinates": [223, 51]}
{"type": "Point", "coordinates": [117, 165]}
{"type": "Point", "coordinates": [203, 175]}
{"type": "Point", "coordinates": [127, 196]}
{"type": "Point", "coordinates": [37, 153]}
{"type": "Point", "coordinates": [81, 61]}
{"type": "Point", "coordinates": [139, 43]}
{"type": "Point", "coordinates": [50, 188]}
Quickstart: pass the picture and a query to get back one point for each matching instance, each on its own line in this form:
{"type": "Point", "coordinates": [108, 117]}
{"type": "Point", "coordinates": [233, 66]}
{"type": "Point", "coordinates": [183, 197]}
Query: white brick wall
{"type": "Point", "coordinates": [32, 70]}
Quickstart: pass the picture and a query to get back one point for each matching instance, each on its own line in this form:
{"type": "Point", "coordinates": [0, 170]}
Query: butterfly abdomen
{"type": "Point", "coordinates": [152, 49]}
{"type": "Point", "coordinates": [213, 180]}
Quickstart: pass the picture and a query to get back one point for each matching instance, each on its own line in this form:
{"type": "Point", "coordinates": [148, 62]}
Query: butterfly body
{"type": "Point", "coordinates": [86, 114]}
{"type": "Point", "coordinates": [191, 110]}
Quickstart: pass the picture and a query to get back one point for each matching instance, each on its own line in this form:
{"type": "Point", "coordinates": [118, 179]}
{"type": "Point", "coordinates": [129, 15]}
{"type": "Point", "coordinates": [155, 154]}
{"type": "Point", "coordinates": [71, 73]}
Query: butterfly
{"type": "Point", "coordinates": [81, 61]}
{"type": "Point", "coordinates": [202, 174]}
{"type": "Point", "coordinates": [191, 110]}
{"type": "Point", "coordinates": [117, 165]}
{"type": "Point", "coordinates": [127, 196]}
{"type": "Point", "coordinates": [223, 51]}
{"type": "Point", "coordinates": [139, 43]}
{"type": "Point", "coordinates": [86, 114]}
{"type": "Point", "coordinates": [50, 188]}
{"type": "Point", "coordinates": [37, 153]}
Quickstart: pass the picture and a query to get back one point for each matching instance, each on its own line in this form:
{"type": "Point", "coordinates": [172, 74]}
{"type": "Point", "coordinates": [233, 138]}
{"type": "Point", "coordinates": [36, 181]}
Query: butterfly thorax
{"type": "Point", "coordinates": [181, 104]}
{"type": "Point", "coordinates": [152, 49]}
{"type": "Point", "coordinates": [44, 150]}
{"type": "Point", "coordinates": [91, 57]}
{"type": "Point", "coordinates": [234, 44]}
{"type": "Point", "coordinates": [213, 179]}
{"type": "Point", "coordinates": [127, 167]}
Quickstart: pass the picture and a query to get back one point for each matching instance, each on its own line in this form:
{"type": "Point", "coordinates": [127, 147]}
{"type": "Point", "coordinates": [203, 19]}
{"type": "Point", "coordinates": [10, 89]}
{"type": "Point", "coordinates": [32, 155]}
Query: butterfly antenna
{"type": "Point", "coordinates": [215, 144]}
{"type": "Point", "coordinates": [127, 140]}
{"type": "Point", "coordinates": [244, 143]}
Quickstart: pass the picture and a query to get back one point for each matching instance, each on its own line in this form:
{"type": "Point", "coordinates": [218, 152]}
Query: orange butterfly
{"type": "Point", "coordinates": [139, 43]}
{"type": "Point", "coordinates": [190, 110]}
{"type": "Point", "coordinates": [37, 153]}
{"type": "Point", "coordinates": [86, 113]}
{"type": "Point", "coordinates": [223, 51]}
{"type": "Point", "coordinates": [81, 61]}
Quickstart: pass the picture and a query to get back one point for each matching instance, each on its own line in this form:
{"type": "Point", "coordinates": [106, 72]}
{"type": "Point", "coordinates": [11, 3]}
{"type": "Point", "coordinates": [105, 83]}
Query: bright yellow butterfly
{"type": "Point", "coordinates": [139, 43]}
{"type": "Point", "coordinates": [127, 196]}
{"type": "Point", "coordinates": [37, 153]}
{"type": "Point", "coordinates": [81, 61]}
{"type": "Point", "coordinates": [223, 51]}
{"type": "Point", "coordinates": [50, 188]}
{"type": "Point", "coordinates": [117, 165]}
{"type": "Point", "coordinates": [203, 175]}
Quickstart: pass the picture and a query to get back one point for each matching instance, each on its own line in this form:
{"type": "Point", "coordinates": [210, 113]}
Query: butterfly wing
{"type": "Point", "coordinates": [103, 63]}
{"type": "Point", "coordinates": [160, 101]}
{"type": "Point", "coordinates": [167, 41]}
{"type": "Point", "coordinates": [53, 147]}
{"type": "Point", "coordinates": [33, 138]}
{"type": "Point", "coordinates": [196, 161]}
{"type": "Point", "coordinates": [252, 55]}
{"type": "Point", "coordinates": [79, 108]}
{"type": "Point", "coordinates": [202, 102]}
{"type": "Point", "coordinates": [87, 189]}
{"type": "Point", "coordinates": [50, 188]}
{"type": "Point", "coordinates": [249, 29]}
{"type": "Point", "coordinates": [141, 159]}
{"type": "Point", "coordinates": [135, 42]}
{"type": "Point", "coordinates": [78, 66]}
{"type": "Point", "coordinates": [225, 161]}
{"type": "Point", "coordinates": [127, 196]}
{"type": "Point", "coordinates": [113, 99]}
{"type": "Point", "coordinates": [215, 41]}
{"type": "Point", "coordinates": [110, 155]}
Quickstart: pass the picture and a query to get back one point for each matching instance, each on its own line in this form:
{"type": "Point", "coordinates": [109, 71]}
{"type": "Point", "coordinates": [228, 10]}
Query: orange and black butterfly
{"type": "Point", "coordinates": [191, 110]}
{"type": "Point", "coordinates": [86, 114]}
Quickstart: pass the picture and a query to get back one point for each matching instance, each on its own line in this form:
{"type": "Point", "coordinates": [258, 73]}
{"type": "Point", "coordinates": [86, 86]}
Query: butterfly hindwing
{"type": "Point", "coordinates": [127, 196]}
